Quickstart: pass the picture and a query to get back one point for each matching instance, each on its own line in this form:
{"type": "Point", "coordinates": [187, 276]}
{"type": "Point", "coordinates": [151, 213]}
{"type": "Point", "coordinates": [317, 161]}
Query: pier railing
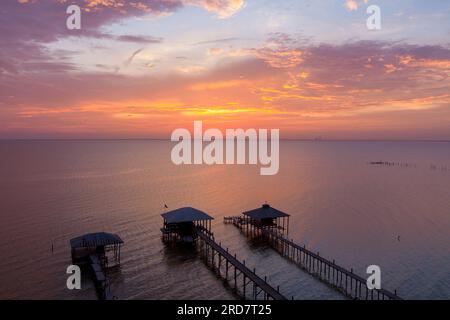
{"type": "Point", "coordinates": [244, 281]}
{"type": "Point", "coordinates": [345, 281]}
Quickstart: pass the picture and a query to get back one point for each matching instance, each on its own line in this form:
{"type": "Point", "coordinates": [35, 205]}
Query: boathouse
{"type": "Point", "coordinates": [268, 217]}
{"type": "Point", "coordinates": [103, 246]}
{"type": "Point", "coordinates": [96, 252]}
{"type": "Point", "coordinates": [183, 224]}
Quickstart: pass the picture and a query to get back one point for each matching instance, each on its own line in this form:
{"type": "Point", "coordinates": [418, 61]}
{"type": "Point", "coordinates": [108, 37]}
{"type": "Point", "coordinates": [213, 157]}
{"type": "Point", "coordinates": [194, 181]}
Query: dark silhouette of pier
{"type": "Point", "coordinates": [98, 252]}
{"type": "Point", "coordinates": [219, 258]}
{"type": "Point", "coordinates": [337, 277]}
{"type": "Point", "coordinates": [192, 226]}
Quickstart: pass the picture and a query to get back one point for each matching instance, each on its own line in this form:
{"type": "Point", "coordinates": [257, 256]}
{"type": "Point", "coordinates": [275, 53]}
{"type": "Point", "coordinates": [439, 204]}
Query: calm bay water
{"type": "Point", "coordinates": [341, 206]}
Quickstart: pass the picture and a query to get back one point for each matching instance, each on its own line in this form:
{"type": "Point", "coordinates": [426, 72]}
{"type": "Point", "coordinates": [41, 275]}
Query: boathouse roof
{"type": "Point", "coordinates": [265, 212]}
{"type": "Point", "coordinates": [185, 215]}
{"type": "Point", "coordinates": [95, 240]}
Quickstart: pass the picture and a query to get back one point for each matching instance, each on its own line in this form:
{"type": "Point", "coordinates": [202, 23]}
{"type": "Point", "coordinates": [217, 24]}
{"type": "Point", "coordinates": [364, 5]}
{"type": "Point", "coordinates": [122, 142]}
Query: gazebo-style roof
{"type": "Point", "coordinates": [95, 240]}
{"type": "Point", "coordinates": [265, 212]}
{"type": "Point", "coordinates": [185, 215]}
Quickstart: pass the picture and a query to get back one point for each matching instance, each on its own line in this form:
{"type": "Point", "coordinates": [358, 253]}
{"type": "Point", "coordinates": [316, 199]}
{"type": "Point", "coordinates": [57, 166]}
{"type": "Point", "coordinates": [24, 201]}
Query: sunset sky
{"type": "Point", "coordinates": [142, 68]}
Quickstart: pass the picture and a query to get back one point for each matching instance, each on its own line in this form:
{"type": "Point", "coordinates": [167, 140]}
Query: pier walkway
{"type": "Point", "coordinates": [210, 249]}
{"type": "Point", "coordinates": [346, 282]}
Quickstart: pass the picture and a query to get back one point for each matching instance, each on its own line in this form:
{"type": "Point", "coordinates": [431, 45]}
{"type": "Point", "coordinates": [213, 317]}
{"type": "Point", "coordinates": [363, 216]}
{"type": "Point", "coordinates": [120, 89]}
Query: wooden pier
{"type": "Point", "coordinates": [192, 226]}
{"type": "Point", "coordinates": [97, 252]}
{"type": "Point", "coordinates": [244, 281]}
{"type": "Point", "coordinates": [346, 282]}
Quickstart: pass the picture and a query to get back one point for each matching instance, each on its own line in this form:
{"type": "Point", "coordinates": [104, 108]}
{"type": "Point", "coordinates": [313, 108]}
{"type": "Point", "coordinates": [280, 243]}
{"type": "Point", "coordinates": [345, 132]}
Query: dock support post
{"type": "Point", "coordinates": [235, 278]}
{"type": "Point", "coordinates": [245, 287]}
{"type": "Point", "coordinates": [226, 273]}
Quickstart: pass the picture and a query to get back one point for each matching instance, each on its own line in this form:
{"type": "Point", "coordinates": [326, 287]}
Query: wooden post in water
{"type": "Point", "coordinates": [245, 287]}
{"type": "Point", "coordinates": [226, 273]}
{"type": "Point", "coordinates": [235, 277]}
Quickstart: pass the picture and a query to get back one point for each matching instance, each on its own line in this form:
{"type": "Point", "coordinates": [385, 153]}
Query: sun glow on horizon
{"type": "Point", "coordinates": [140, 69]}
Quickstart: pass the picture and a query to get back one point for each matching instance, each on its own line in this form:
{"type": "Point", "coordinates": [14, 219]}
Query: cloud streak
{"type": "Point", "coordinates": [331, 82]}
{"type": "Point", "coordinates": [284, 80]}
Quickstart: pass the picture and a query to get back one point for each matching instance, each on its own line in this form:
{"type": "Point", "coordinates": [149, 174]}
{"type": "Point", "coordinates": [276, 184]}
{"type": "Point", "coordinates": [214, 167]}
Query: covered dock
{"type": "Point", "coordinates": [265, 217]}
{"type": "Point", "coordinates": [100, 244]}
{"type": "Point", "coordinates": [97, 251]}
{"type": "Point", "coordinates": [189, 225]}
{"type": "Point", "coordinates": [265, 222]}
{"type": "Point", "coordinates": [183, 224]}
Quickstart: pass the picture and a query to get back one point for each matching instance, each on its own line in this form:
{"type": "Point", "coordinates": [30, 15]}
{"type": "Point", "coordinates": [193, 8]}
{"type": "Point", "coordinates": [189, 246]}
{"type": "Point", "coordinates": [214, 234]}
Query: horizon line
{"type": "Point", "coordinates": [281, 139]}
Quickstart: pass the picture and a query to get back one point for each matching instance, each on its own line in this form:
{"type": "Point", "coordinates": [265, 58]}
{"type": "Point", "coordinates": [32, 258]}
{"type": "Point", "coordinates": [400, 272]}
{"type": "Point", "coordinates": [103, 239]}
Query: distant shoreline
{"type": "Point", "coordinates": [168, 140]}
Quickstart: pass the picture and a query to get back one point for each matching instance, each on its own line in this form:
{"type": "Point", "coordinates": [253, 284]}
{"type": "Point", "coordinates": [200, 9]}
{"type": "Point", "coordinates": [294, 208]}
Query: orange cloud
{"type": "Point", "coordinates": [223, 8]}
{"type": "Point", "coordinates": [219, 85]}
{"type": "Point", "coordinates": [353, 5]}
